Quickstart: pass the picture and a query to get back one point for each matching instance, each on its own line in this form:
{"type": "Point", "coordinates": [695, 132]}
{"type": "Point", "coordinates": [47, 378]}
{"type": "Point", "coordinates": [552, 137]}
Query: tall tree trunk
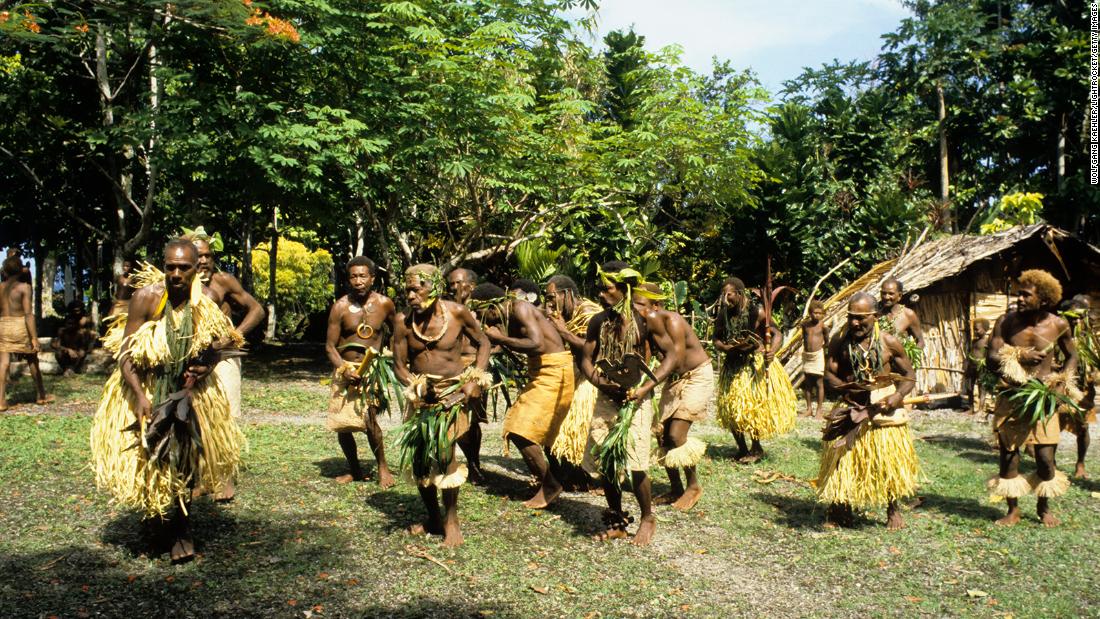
{"type": "Point", "coordinates": [246, 259]}
{"type": "Point", "coordinates": [49, 276]}
{"type": "Point", "coordinates": [272, 293]}
{"type": "Point", "coordinates": [1060, 156]}
{"type": "Point", "coordinates": [948, 220]}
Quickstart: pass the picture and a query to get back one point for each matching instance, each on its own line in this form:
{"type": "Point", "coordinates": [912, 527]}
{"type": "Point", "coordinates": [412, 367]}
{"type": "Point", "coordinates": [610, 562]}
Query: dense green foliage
{"type": "Point", "coordinates": [453, 132]}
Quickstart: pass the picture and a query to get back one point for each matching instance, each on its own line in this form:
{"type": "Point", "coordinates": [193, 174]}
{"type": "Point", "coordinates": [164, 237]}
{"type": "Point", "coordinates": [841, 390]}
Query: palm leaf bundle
{"type": "Point", "coordinates": [611, 453]}
{"type": "Point", "coordinates": [913, 351]}
{"type": "Point", "coordinates": [426, 437]}
{"type": "Point", "coordinates": [1036, 401]}
{"type": "Point", "coordinates": [379, 380]}
{"type": "Point", "coordinates": [508, 372]}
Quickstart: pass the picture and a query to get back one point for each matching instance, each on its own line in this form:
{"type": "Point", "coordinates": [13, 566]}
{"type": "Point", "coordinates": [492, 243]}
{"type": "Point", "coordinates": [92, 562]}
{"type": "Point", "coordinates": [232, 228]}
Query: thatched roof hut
{"type": "Point", "coordinates": [957, 279]}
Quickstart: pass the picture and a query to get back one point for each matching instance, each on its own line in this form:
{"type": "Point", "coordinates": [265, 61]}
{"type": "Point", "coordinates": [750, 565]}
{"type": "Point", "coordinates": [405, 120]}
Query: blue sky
{"type": "Point", "coordinates": [776, 38]}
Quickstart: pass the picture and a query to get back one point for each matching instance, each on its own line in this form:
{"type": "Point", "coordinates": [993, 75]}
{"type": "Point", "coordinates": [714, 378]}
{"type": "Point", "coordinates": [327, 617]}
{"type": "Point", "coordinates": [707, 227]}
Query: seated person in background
{"type": "Point", "coordinates": [74, 340]}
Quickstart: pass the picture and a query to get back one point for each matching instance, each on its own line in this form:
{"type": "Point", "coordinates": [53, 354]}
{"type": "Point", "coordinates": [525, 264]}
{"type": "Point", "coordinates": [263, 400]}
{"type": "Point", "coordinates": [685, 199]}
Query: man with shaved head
{"type": "Point", "coordinates": [460, 284]}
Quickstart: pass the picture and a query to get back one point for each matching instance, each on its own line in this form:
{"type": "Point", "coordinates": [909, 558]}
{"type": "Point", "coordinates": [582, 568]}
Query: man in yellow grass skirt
{"type": "Point", "coordinates": [164, 422]}
{"type": "Point", "coordinates": [685, 399]}
{"type": "Point", "coordinates": [359, 379]}
{"type": "Point", "coordinates": [427, 354]}
{"type": "Point", "coordinates": [532, 422]}
{"type": "Point", "coordinates": [570, 314]}
{"type": "Point", "coordinates": [1022, 352]}
{"type": "Point", "coordinates": [755, 396]}
{"type": "Point", "coordinates": [867, 458]}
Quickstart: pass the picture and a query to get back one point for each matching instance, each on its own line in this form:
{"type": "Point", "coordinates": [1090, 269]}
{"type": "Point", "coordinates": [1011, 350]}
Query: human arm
{"type": "Point", "coordinates": [832, 363]}
{"type": "Point", "coordinates": [1068, 346]}
{"type": "Point", "coordinates": [915, 328]}
{"type": "Point", "coordinates": [588, 361]}
{"type": "Point", "coordinates": [773, 337]}
{"type": "Point", "coordinates": [574, 341]}
{"type": "Point", "coordinates": [238, 297]}
{"type": "Point", "coordinates": [142, 305]}
{"type": "Point", "coordinates": [901, 365]}
{"type": "Point", "coordinates": [523, 313]}
{"type": "Point", "coordinates": [664, 330]}
{"type": "Point", "coordinates": [720, 333]}
{"type": "Point", "coordinates": [472, 329]}
{"type": "Point", "coordinates": [28, 318]}
{"type": "Point", "coordinates": [400, 346]}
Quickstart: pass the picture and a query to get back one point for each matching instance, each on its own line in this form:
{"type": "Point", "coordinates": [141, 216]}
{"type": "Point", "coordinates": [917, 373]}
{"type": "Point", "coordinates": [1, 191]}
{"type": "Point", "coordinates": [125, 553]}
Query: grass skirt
{"type": "Point", "coordinates": [880, 467]}
{"type": "Point", "coordinates": [123, 469]}
{"type": "Point", "coordinates": [573, 433]}
{"type": "Point", "coordinates": [756, 402]}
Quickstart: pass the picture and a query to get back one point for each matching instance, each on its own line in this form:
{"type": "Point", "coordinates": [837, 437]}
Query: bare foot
{"type": "Point", "coordinates": [1079, 472]}
{"type": "Point", "coordinates": [452, 536]}
{"type": "Point", "coordinates": [227, 493]}
{"type": "Point", "coordinates": [750, 458]}
{"type": "Point", "coordinates": [1048, 519]}
{"type": "Point", "coordinates": [385, 478]}
{"type": "Point", "coordinates": [667, 498]}
{"type": "Point", "coordinates": [894, 522]}
{"type": "Point", "coordinates": [183, 549]}
{"type": "Point", "coordinates": [645, 530]}
{"type": "Point", "coordinates": [1011, 518]}
{"type": "Point", "coordinates": [473, 475]}
{"type": "Point", "coordinates": [609, 534]}
{"type": "Point", "coordinates": [45, 400]}
{"type": "Point", "coordinates": [348, 478]}
{"type": "Point", "coordinates": [543, 498]}
{"type": "Point", "coordinates": [688, 499]}
{"type": "Point", "coordinates": [741, 454]}
{"type": "Point", "coordinates": [424, 528]}
{"type": "Point", "coordinates": [596, 491]}
{"type": "Point", "coordinates": [4, 407]}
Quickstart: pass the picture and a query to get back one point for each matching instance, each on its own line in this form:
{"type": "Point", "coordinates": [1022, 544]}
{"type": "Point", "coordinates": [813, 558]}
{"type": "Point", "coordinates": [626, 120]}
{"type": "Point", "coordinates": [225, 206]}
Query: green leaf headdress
{"type": "Point", "coordinates": [418, 273]}
{"type": "Point", "coordinates": [630, 278]}
{"type": "Point", "coordinates": [199, 234]}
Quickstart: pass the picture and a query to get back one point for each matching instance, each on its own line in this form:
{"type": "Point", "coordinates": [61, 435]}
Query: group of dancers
{"type": "Point", "coordinates": [604, 378]}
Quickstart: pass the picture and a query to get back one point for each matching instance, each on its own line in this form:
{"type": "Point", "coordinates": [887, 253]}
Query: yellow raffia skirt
{"type": "Point", "coordinates": [573, 433]}
{"type": "Point", "coordinates": [880, 467]}
{"type": "Point", "coordinates": [756, 402]}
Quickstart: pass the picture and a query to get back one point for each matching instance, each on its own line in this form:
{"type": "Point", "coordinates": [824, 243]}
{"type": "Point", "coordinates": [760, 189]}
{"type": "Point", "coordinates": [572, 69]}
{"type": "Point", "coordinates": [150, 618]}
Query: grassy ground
{"type": "Point", "coordinates": [295, 544]}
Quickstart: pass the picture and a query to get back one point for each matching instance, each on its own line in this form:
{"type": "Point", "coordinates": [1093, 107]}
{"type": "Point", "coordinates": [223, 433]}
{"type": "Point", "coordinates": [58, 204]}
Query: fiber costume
{"type": "Point", "coordinates": [350, 404]}
{"type": "Point", "coordinates": [813, 363]}
{"type": "Point", "coordinates": [572, 439]}
{"type": "Point", "coordinates": [604, 416]}
{"type": "Point", "coordinates": [14, 337]}
{"type": "Point", "coordinates": [479, 408]}
{"type": "Point", "coordinates": [542, 405]}
{"type": "Point", "coordinates": [1015, 428]}
{"type": "Point", "coordinates": [436, 417]}
{"type": "Point", "coordinates": [229, 373]}
{"type": "Point", "coordinates": [874, 462]}
{"type": "Point", "coordinates": [159, 351]}
{"type": "Point", "coordinates": [686, 397]}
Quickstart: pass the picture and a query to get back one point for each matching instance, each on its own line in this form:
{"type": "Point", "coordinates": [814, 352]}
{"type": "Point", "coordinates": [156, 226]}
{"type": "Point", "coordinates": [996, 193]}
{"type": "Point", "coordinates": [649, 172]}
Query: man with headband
{"type": "Point", "coordinates": [532, 422]}
{"type": "Point", "coordinates": [617, 338]}
{"type": "Point", "coordinates": [427, 351]}
{"type": "Point", "coordinates": [686, 397]}
{"type": "Point", "coordinates": [867, 457]}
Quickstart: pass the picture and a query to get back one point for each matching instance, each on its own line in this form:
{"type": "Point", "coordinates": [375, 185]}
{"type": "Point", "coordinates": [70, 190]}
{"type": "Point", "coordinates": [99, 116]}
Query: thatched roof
{"type": "Point", "coordinates": [932, 262]}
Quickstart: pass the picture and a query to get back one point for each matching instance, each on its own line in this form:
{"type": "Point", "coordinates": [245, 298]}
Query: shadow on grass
{"type": "Point", "coordinates": [795, 512]}
{"type": "Point", "coordinates": [335, 467]}
{"type": "Point", "coordinates": [296, 361]}
{"type": "Point", "coordinates": [963, 507]}
{"type": "Point", "coordinates": [401, 509]}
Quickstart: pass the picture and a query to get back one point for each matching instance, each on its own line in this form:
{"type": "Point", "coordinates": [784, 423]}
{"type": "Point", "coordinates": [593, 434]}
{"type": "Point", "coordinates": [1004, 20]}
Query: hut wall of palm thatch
{"type": "Point", "coordinates": [953, 280]}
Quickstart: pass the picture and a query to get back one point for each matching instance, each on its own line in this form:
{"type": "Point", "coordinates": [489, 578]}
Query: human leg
{"type": "Point", "coordinates": [378, 447]}
{"type": "Point", "coordinates": [1009, 460]}
{"type": "Point", "coordinates": [351, 454]}
{"type": "Point", "coordinates": [1046, 473]}
{"type": "Point", "coordinates": [549, 487]}
{"type": "Point", "coordinates": [644, 494]}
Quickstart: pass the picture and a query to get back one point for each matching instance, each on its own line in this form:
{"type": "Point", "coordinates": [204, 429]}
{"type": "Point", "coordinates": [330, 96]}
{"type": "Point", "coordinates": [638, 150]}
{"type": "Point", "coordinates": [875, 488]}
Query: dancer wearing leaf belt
{"type": "Point", "coordinates": [1077, 421]}
{"type": "Point", "coordinates": [532, 422]}
{"type": "Point", "coordinates": [867, 458]}
{"type": "Point", "coordinates": [460, 284]}
{"type": "Point", "coordinates": [685, 399]}
{"type": "Point", "coordinates": [755, 396]}
{"type": "Point", "coordinates": [164, 423]}
{"type": "Point", "coordinates": [362, 379]}
{"type": "Point", "coordinates": [227, 292]}
{"type": "Point", "coordinates": [1022, 352]}
{"type": "Point", "coordinates": [615, 355]}
{"type": "Point", "coordinates": [427, 352]}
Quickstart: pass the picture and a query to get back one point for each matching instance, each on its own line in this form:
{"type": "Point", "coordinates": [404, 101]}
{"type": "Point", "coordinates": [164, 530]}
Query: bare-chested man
{"type": "Point", "coordinates": [867, 456]}
{"type": "Point", "coordinates": [814, 336]}
{"type": "Point", "coordinates": [1076, 311]}
{"type": "Point", "coordinates": [18, 335]}
{"type": "Point", "coordinates": [615, 337]}
{"type": "Point", "coordinates": [532, 423]}
{"type": "Point", "coordinates": [123, 290]}
{"type": "Point", "coordinates": [460, 283]}
{"type": "Point", "coordinates": [1023, 349]}
{"type": "Point", "coordinates": [975, 368]}
{"type": "Point", "coordinates": [427, 351]}
{"type": "Point", "coordinates": [74, 340]}
{"type": "Point", "coordinates": [355, 324]}
{"type": "Point", "coordinates": [901, 321]}
{"type": "Point", "coordinates": [685, 399]}
{"type": "Point", "coordinates": [755, 396]}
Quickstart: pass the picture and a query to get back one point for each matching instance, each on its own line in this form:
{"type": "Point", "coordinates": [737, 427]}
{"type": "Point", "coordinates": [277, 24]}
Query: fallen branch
{"type": "Point", "coordinates": [423, 554]}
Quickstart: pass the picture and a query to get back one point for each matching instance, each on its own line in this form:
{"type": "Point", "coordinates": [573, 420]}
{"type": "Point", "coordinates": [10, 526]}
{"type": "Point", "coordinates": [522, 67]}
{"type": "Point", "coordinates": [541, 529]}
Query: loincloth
{"type": "Point", "coordinates": [349, 406]}
{"type": "Point", "coordinates": [573, 433]}
{"type": "Point", "coordinates": [880, 467]}
{"type": "Point", "coordinates": [14, 337]}
{"type": "Point", "coordinates": [1015, 433]}
{"type": "Point", "coordinates": [429, 456]}
{"type": "Point", "coordinates": [756, 401]}
{"type": "Point", "coordinates": [544, 402]}
{"type": "Point", "coordinates": [813, 363]}
{"type": "Point", "coordinates": [604, 415]}
{"type": "Point", "coordinates": [229, 373]}
{"type": "Point", "coordinates": [689, 396]}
